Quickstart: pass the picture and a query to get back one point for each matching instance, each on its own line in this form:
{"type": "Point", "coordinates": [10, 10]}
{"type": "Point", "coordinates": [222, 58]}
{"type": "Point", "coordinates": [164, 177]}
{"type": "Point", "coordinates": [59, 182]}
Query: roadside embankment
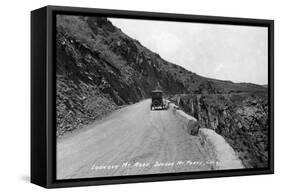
{"type": "Point", "coordinates": [219, 150]}
{"type": "Point", "coordinates": [241, 118]}
{"type": "Point", "coordinates": [214, 144]}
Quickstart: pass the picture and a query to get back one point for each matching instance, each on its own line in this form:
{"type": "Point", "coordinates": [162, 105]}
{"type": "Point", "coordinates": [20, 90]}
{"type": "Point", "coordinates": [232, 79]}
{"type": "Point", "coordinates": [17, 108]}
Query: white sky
{"type": "Point", "coordinates": [236, 53]}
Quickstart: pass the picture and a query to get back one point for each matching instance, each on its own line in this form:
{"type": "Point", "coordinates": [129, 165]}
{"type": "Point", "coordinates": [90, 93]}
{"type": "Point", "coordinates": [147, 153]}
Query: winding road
{"type": "Point", "coordinates": [132, 140]}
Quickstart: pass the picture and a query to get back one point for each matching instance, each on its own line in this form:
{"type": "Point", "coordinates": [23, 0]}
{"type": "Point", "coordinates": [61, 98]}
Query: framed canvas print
{"type": "Point", "coordinates": [125, 96]}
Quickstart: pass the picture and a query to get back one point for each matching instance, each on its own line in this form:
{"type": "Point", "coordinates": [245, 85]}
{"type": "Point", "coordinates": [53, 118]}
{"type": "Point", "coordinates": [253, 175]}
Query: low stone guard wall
{"type": "Point", "coordinates": [191, 124]}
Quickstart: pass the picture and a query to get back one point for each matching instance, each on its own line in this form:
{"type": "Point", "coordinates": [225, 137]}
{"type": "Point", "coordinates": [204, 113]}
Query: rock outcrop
{"type": "Point", "coordinates": [242, 119]}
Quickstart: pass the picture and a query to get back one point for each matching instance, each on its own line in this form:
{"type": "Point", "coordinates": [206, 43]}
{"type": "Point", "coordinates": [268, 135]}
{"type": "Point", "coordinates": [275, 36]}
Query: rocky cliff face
{"type": "Point", "coordinates": [97, 64]}
{"type": "Point", "coordinates": [99, 68]}
{"type": "Point", "coordinates": [242, 119]}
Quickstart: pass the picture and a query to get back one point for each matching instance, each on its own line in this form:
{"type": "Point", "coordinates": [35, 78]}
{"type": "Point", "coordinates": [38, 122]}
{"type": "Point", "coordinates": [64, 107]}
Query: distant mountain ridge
{"type": "Point", "coordinates": [100, 66]}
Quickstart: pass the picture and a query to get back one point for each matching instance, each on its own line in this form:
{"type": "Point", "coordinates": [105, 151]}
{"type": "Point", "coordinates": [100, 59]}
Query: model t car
{"type": "Point", "coordinates": [157, 101]}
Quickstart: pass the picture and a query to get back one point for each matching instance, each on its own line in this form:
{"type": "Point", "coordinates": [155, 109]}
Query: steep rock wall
{"type": "Point", "coordinates": [242, 119]}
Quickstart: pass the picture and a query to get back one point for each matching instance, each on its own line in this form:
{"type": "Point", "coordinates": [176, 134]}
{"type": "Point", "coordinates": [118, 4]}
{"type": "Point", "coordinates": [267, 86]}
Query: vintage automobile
{"type": "Point", "coordinates": [157, 102]}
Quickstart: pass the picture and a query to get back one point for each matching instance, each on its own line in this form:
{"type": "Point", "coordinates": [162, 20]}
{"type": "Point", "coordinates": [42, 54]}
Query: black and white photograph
{"type": "Point", "coordinates": [141, 97]}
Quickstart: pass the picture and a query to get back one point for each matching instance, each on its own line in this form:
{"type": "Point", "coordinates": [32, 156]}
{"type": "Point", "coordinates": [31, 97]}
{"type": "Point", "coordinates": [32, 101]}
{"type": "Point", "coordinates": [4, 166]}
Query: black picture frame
{"type": "Point", "coordinates": [43, 135]}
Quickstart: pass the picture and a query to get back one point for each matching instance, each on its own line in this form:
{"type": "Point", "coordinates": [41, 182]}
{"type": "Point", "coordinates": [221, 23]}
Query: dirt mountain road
{"type": "Point", "coordinates": [132, 140]}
